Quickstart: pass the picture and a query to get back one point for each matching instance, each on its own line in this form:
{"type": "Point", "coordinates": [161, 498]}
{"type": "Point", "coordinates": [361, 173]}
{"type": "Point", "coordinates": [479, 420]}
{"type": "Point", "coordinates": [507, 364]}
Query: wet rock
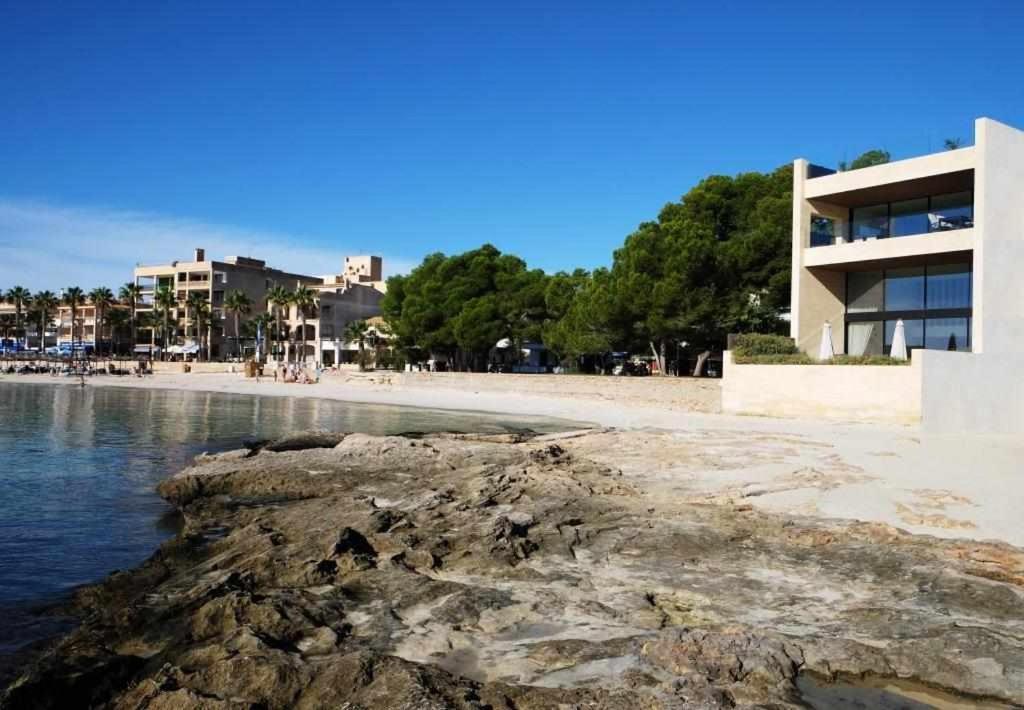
{"type": "Point", "coordinates": [503, 571]}
{"type": "Point", "coordinates": [304, 440]}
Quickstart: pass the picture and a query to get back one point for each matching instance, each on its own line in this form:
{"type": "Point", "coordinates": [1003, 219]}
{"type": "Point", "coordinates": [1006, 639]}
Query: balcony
{"type": "Point", "coordinates": [905, 218]}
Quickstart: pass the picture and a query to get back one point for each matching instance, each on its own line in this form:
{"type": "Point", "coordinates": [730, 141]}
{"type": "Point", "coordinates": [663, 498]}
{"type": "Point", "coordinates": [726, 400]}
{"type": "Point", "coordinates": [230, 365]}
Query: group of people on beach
{"type": "Point", "coordinates": [294, 373]}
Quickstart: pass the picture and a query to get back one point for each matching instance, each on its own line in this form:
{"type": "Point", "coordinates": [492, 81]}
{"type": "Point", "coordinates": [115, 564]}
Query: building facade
{"type": "Point", "coordinates": [931, 241]}
{"type": "Point", "coordinates": [212, 280]}
{"type": "Point", "coordinates": [354, 294]}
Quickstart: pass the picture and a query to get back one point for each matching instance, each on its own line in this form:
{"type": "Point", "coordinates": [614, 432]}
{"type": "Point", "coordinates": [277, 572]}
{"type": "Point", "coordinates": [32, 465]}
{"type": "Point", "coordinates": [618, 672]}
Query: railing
{"type": "Point", "coordinates": [925, 215]}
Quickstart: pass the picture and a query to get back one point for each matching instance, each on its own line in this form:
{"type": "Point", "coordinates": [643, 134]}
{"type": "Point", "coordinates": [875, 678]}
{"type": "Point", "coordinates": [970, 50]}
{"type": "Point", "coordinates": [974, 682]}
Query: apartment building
{"type": "Point", "coordinates": [212, 280]}
{"type": "Point", "coordinates": [354, 294]}
{"type": "Point", "coordinates": [87, 331]}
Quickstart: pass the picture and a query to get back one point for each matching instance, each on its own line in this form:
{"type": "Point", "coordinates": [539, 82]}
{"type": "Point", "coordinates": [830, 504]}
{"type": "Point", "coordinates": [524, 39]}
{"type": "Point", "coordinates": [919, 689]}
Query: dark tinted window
{"type": "Point", "coordinates": [949, 286]}
{"type": "Point", "coordinates": [904, 289]}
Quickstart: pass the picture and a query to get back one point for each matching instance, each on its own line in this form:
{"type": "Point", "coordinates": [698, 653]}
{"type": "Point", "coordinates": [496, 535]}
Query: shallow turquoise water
{"type": "Point", "coordinates": [79, 467]}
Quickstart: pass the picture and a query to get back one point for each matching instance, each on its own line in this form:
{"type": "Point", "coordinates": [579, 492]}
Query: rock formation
{"type": "Point", "coordinates": [458, 571]}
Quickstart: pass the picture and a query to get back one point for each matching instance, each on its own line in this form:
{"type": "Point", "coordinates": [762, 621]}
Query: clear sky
{"type": "Point", "coordinates": [303, 131]}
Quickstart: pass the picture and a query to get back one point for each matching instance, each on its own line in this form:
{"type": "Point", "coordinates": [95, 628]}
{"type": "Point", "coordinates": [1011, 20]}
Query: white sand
{"type": "Point", "coordinates": [970, 487]}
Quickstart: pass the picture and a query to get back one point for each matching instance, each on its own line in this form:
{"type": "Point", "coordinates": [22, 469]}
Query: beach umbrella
{"type": "Point", "coordinates": [899, 342]}
{"type": "Point", "coordinates": [825, 350]}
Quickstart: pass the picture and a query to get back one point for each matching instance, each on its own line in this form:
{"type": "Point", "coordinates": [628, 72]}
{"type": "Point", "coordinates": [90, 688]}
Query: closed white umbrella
{"type": "Point", "coordinates": [899, 342]}
{"type": "Point", "coordinates": [825, 350]}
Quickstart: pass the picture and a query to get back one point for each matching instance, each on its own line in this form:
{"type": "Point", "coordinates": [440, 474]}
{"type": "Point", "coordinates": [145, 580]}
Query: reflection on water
{"type": "Point", "coordinates": [883, 694]}
{"type": "Point", "coordinates": [80, 466]}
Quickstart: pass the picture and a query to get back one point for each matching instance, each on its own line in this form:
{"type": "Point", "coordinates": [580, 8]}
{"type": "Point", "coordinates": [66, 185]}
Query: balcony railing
{"type": "Point", "coordinates": [937, 213]}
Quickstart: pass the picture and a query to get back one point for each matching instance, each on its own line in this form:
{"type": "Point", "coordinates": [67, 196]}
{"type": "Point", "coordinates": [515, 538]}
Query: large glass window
{"type": "Point", "coordinates": [913, 330]}
{"type": "Point", "coordinates": [864, 338]}
{"type": "Point", "coordinates": [823, 231]}
{"type": "Point", "coordinates": [909, 217]}
{"type": "Point", "coordinates": [871, 222]}
{"type": "Point", "coordinates": [864, 292]}
{"type": "Point", "coordinates": [948, 334]}
{"type": "Point", "coordinates": [949, 286]}
{"type": "Point", "coordinates": [952, 211]}
{"type": "Point", "coordinates": [904, 289]}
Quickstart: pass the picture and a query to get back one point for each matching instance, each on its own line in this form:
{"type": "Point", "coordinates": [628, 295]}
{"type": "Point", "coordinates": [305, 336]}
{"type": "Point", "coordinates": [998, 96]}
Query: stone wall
{"type": "Point", "coordinates": [869, 393]}
{"type": "Point", "coordinates": [682, 393]}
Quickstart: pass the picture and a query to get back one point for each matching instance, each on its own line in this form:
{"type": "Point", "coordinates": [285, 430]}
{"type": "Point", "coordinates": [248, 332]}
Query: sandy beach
{"type": "Point", "coordinates": [952, 487]}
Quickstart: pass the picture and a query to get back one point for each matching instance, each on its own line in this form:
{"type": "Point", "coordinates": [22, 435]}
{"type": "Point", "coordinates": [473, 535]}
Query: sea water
{"type": "Point", "coordinates": [79, 468]}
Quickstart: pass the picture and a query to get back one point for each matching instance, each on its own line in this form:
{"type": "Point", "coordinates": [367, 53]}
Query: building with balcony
{"type": "Point", "coordinates": [212, 280]}
{"type": "Point", "coordinates": [934, 241]}
{"type": "Point", "coordinates": [353, 295]}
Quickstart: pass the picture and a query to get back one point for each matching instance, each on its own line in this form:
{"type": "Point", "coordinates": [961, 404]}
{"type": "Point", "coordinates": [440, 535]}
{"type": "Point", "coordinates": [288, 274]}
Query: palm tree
{"type": "Point", "coordinates": [304, 300]}
{"type": "Point", "coordinates": [355, 332]}
{"type": "Point", "coordinates": [73, 299]}
{"type": "Point", "coordinates": [129, 295]}
{"type": "Point", "coordinates": [19, 297]}
{"type": "Point", "coordinates": [117, 319]}
{"type": "Point", "coordinates": [261, 322]}
{"type": "Point", "coordinates": [165, 300]}
{"type": "Point", "coordinates": [102, 298]}
{"type": "Point", "coordinates": [44, 303]}
{"type": "Point", "coordinates": [193, 305]}
{"type": "Point", "coordinates": [201, 312]}
{"type": "Point", "coordinates": [237, 303]}
{"type": "Point", "coordinates": [278, 297]}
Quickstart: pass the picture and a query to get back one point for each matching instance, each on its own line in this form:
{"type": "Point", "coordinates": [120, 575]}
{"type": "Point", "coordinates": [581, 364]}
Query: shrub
{"type": "Point", "coordinates": [804, 359]}
{"type": "Point", "coordinates": [750, 344]}
{"type": "Point", "coordinates": [774, 359]}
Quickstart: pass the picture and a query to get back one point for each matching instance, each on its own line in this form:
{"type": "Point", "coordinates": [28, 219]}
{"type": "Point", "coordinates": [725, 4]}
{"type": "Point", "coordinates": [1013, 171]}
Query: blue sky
{"type": "Point", "coordinates": [305, 131]}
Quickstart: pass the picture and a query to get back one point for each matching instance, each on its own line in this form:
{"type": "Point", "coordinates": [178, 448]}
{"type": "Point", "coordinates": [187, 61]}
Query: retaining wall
{"type": "Point", "coordinates": [870, 393]}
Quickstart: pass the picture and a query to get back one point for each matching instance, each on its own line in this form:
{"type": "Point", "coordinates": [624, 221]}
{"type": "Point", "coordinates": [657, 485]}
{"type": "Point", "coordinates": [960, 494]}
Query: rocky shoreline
{"type": "Point", "coordinates": [516, 571]}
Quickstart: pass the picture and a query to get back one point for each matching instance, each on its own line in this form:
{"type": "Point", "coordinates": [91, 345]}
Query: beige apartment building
{"type": "Point", "coordinates": [352, 295]}
{"type": "Point", "coordinates": [87, 331]}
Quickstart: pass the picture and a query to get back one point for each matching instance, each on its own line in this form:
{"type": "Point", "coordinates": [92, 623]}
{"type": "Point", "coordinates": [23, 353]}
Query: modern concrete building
{"type": "Point", "coordinates": [934, 241]}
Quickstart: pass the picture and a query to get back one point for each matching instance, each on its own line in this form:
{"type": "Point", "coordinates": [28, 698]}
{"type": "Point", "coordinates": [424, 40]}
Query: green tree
{"type": "Point", "coordinates": [118, 319]}
{"type": "Point", "coordinates": [73, 298]}
{"type": "Point", "coordinates": [355, 332]}
{"type": "Point", "coordinates": [237, 303]}
{"type": "Point", "coordinates": [278, 298]}
{"type": "Point", "coordinates": [196, 308]}
{"type": "Point", "coordinates": [130, 293]}
{"type": "Point", "coordinates": [44, 303]}
{"type": "Point", "coordinates": [102, 299]}
{"type": "Point", "coordinates": [953, 143]}
{"type": "Point", "coordinates": [876, 156]}
{"type": "Point", "coordinates": [305, 300]}
{"type": "Point", "coordinates": [19, 297]}
{"type": "Point", "coordinates": [165, 300]}
{"type": "Point", "coordinates": [459, 306]}
{"type": "Point", "coordinates": [261, 323]}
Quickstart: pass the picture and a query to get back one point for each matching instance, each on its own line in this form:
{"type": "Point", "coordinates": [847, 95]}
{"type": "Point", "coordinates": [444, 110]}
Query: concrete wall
{"type": "Point", "coordinates": [972, 392]}
{"type": "Point", "coordinates": [870, 393]}
{"type": "Point", "coordinates": [999, 254]}
{"type": "Point", "coordinates": [685, 394]}
{"type": "Point", "coordinates": [176, 368]}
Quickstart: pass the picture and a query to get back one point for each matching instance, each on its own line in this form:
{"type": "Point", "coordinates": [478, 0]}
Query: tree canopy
{"type": "Point", "coordinates": [716, 261]}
